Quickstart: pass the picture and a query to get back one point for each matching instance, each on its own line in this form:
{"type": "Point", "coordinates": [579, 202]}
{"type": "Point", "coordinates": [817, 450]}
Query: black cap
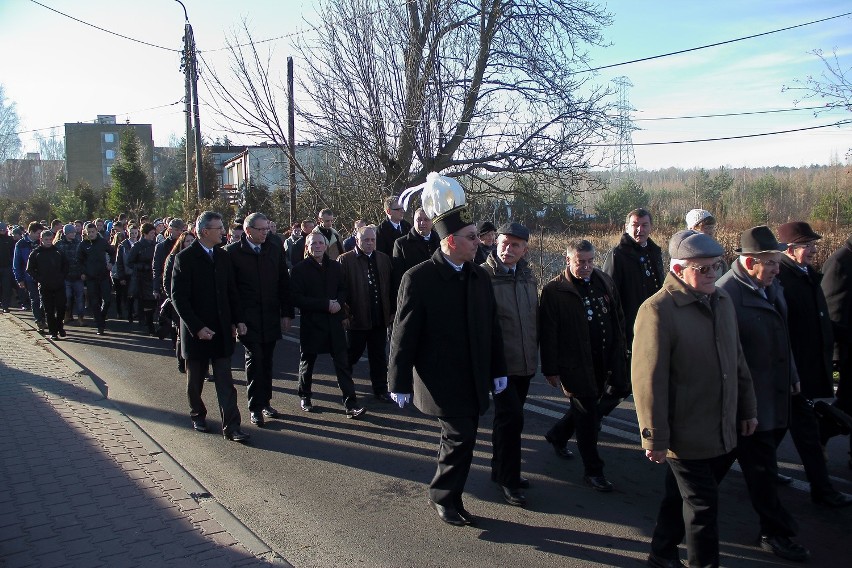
{"type": "Point", "coordinates": [514, 229]}
{"type": "Point", "coordinates": [485, 226]}
{"type": "Point", "coordinates": [452, 221]}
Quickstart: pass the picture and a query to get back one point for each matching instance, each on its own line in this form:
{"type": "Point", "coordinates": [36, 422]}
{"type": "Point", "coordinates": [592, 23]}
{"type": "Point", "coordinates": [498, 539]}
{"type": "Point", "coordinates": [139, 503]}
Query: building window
{"type": "Point", "coordinates": [108, 170]}
{"type": "Point", "coordinates": [109, 137]}
{"type": "Point", "coordinates": [110, 154]}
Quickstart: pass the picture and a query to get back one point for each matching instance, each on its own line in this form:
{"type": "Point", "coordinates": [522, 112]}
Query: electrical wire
{"type": "Point", "coordinates": [744, 113]}
{"type": "Point", "coordinates": [117, 114]}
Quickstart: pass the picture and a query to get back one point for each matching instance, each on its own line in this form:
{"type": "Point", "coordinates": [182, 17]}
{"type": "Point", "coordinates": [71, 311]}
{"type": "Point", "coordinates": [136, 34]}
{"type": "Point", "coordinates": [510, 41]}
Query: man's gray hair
{"type": "Point", "coordinates": [248, 222]}
{"type": "Point", "coordinates": [205, 218]}
{"type": "Point", "coordinates": [177, 223]}
{"type": "Point", "coordinates": [578, 245]}
{"type": "Point", "coordinates": [361, 230]}
{"type": "Point", "coordinates": [314, 235]}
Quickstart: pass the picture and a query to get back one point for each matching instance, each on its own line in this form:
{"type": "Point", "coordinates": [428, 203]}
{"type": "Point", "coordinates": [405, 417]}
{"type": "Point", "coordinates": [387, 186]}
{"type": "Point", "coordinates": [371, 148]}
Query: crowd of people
{"type": "Point", "coordinates": [722, 360]}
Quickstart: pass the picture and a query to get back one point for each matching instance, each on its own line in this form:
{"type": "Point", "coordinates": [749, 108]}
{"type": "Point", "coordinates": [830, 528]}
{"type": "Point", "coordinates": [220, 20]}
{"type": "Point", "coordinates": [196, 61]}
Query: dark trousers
{"type": "Point", "coordinates": [804, 429]}
{"type": "Point", "coordinates": [53, 304]}
{"type": "Point", "coordinates": [120, 296]}
{"type": "Point", "coordinates": [758, 459]}
{"type": "Point", "coordinates": [35, 300]}
{"type": "Point", "coordinates": [584, 410]}
{"type": "Point", "coordinates": [690, 509]}
{"type": "Point", "coordinates": [6, 285]}
{"type": "Point", "coordinates": [226, 393]}
{"type": "Point", "coordinates": [341, 369]}
{"type": "Point", "coordinates": [98, 292]}
{"type": "Point", "coordinates": [374, 340]}
{"type": "Point", "coordinates": [844, 388]}
{"type": "Point", "coordinates": [506, 433]}
{"type": "Point", "coordinates": [564, 428]}
{"type": "Point", "coordinates": [259, 373]}
{"type": "Point", "coordinates": [455, 454]}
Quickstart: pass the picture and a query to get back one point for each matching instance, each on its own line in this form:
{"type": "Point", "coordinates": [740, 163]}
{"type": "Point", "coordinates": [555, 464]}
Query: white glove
{"type": "Point", "coordinates": [400, 399]}
{"type": "Point", "coordinates": [500, 384]}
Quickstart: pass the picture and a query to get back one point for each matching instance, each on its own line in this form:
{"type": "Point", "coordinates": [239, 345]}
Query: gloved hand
{"type": "Point", "coordinates": [500, 384]}
{"type": "Point", "coordinates": [400, 398]}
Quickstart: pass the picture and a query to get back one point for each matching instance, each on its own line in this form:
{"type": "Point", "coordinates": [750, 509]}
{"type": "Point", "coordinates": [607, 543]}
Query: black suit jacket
{"type": "Point", "coordinates": [204, 294]}
{"type": "Point", "coordinates": [386, 235]}
{"type": "Point", "coordinates": [408, 252]}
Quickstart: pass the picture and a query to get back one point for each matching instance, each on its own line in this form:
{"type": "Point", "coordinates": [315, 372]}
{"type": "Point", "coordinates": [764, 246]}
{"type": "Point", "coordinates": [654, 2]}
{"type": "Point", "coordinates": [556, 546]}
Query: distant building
{"type": "Point", "coordinates": [91, 150]}
{"type": "Point", "coordinates": [21, 177]}
{"type": "Point", "coordinates": [267, 166]}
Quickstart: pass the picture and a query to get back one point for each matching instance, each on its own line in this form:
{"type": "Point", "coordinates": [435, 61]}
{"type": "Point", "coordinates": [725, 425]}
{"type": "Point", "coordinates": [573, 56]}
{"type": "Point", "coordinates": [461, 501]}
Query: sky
{"type": "Point", "coordinates": [58, 70]}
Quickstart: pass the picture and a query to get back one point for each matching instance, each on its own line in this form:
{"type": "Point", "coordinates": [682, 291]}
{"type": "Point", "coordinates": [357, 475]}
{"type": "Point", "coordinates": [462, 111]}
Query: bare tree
{"type": "Point", "coordinates": [833, 85]}
{"type": "Point", "coordinates": [10, 142]}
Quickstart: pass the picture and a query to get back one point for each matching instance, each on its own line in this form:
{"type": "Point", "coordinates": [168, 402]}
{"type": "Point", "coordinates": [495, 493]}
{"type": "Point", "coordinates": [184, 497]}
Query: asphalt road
{"type": "Point", "coordinates": [324, 491]}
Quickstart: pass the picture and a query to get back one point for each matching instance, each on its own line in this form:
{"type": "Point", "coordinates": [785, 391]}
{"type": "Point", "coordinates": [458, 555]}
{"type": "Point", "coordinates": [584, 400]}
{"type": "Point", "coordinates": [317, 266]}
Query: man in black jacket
{"type": "Point", "coordinates": [94, 253]}
{"type": "Point", "coordinates": [205, 297]}
{"type": "Point", "coordinates": [391, 228]}
{"type": "Point", "coordinates": [48, 267]}
{"type": "Point", "coordinates": [813, 343]}
{"type": "Point", "coordinates": [263, 283]}
{"type": "Point", "coordinates": [417, 246]}
{"type": "Point", "coordinates": [176, 228]}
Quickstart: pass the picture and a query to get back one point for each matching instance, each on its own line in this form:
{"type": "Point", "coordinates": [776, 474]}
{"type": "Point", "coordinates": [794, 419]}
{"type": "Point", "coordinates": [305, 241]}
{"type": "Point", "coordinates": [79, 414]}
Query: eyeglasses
{"type": "Point", "coordinates": [768, 263]}
{"type": "Point", "coordinates": [809, 246]}
{"type": "Point", "coordinates": [261, 229]}
{"type": "Point", "coordinates": [219, 228]}
{"type": "Point", "coordinates": [396, 208]}
{"type": "Point", "coordinates": [469, 236]}
{"type": "Point", "coordinates": [704, 270]}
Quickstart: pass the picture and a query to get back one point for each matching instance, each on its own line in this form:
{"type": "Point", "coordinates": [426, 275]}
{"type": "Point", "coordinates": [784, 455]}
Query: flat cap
{"type": "Point", "coordinates": [485, 226]}
{"type": "Point", "coordinates": [514, 229]}
{"type": "Point", "coordinates": [692, 244]}
{"type": "Point", "coordinates": [797, 232]}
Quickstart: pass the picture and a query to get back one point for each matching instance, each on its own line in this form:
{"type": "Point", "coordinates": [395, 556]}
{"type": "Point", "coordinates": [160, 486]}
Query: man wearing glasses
{"type": "Point", "coordinates": [206, 299]}
{"type": "Point", "coordinates": [391, 228]}
{"type": "Point", "coordinates": [693, 395]}
{"type": "Point", "coordinates": [813, 344]}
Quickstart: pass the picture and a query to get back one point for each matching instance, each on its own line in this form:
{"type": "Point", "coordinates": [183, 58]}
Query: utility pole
{"type": "Point", "coordinates": [291, 135]}
{"type": "Point", "coordinates": [193, 121]}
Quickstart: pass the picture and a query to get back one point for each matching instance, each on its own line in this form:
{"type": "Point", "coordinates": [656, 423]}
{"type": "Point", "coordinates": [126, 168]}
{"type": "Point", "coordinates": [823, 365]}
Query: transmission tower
{"type": "Point", "coordinates": [623, 158]}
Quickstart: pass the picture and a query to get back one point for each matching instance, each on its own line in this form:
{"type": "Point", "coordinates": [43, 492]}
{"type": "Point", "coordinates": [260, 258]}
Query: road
{"type": "Point", "coordinates": [323, 490]}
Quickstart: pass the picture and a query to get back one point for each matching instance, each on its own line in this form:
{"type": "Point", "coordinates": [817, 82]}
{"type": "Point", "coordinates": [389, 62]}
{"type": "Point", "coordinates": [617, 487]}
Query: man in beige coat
{"type": "Point", "coordinates": [693, 390]}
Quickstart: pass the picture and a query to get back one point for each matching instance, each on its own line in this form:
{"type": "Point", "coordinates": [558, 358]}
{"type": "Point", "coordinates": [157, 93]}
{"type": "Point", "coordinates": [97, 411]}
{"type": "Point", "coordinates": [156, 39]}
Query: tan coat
{"type": "Point", "coordinates": [354, 265]}
{"type": "Point", "coordinates": [691, 383]}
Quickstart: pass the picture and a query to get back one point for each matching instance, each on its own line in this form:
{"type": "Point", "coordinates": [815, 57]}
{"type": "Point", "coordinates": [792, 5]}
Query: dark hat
{"type": "Point", "coordinates": [452, 221]}
{"type": "Point", "coordinates": [758, 240]}
{"type": "Point", "coordinates": [797, 232]}
{"type": "Point", "coordinates": [692, 244]}
{"type": "Point", "coordinates": [485, 226]}
{"type": "Point", "coordinates": [514, 229]}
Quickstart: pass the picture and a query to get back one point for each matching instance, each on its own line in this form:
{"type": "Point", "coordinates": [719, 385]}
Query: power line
{"type": "Point", "coordinates": [104, 29]}
{"type": "Point", "coordinates": [744, 113]}
{"type": "Point", "coordinates": [714, 44]}
{"type": "Point", "coordinates": [117, 114]}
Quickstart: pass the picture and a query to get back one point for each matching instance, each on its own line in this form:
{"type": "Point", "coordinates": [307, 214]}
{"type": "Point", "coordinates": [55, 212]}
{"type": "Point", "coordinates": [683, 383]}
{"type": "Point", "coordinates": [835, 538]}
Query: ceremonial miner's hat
{"type": "Point", "coordinates": [444, 201]}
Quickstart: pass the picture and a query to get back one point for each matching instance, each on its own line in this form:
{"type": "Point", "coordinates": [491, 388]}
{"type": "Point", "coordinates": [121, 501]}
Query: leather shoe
{"type": "Point", "coordinates": [449, 516]}
{"type": "Point", "coordinates": [465, 515]}
{"type": "Point", "coordinates": [598, 483]}
{"type": "Point", "coordinates": [513, 496]}
{"type": "Point", "coordinates": [237, 436]}
{"type": "Point", "coordinates": [256, 418]}
{"type": "Point", "coordinates": [783, 547]}
{"type": "Point", "coordinates": [782, 479]}
{"type": "Point", "coordinates": [306, 405]}
{"type": "Point", "coordinates": [200, 425]}
{"type": "Point", "coordinates": [523, 483]}
{"type": "Point", "coordinates": [355, 412]}
{"type": "Point", "coordinates": [270, 412]}
{"type": "Point", "coordinates": [834, 500]}
{"type": "Point", "coordinates": [561, 450]}
{"type": "Point", "coordinates": [660, 562]}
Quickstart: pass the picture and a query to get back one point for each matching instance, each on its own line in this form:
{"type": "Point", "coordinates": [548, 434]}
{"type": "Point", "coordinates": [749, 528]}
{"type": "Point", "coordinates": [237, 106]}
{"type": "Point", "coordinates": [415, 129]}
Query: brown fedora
{"type": "Point", "coordinates": [759, 240]}
{"type": "Point", "coordinates": [797, 232]}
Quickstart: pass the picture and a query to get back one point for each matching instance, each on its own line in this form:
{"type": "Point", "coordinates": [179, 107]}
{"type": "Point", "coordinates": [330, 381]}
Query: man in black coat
{"type": "Point", "coordinates": [761, 310]}
{"type": "Point", "coordinates": [94, 253]}
{"type": "Point", "coordinates": [319, 291]}
{"type": "Point", "coordinates": [263, 283]}
{"type": "Point", "coordinates": [48, 267]}
{"type": "Point", "coordinates": [813, 344]}
{"type": "Point", "coordinates": [417, 246]}
{"type": "Point", "coordinates": [837, 287]}
{"type": "Point", "coordinates": [391, 228]}
{"type": "Point", "coordinates": [205, 297]}
{"type": "Point", "coordinates": [161, 251]}
{"type": "Point", "coordinates": [447, 351]}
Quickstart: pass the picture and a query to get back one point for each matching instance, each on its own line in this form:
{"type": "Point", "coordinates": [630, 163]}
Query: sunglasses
{"type": "Point", "coordinates": [704, 270]}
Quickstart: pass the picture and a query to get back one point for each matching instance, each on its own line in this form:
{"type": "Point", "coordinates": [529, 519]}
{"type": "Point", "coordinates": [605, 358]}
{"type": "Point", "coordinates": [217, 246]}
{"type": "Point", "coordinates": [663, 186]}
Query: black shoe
{"type": "Point", "coordinates": [200, 425]}
{"type": "Point", "coordinates": [256, 418]}
{"type": "Point", "coordinates": [270, 412]}
{"type": "Point", "coordinates": [237, 436]}
{"type": "Point", "coordinates": [598, 483]}
{"type": "Point", "coordinates": [449, 516]}
{"type": "Point", "coordinates": [513, 496]}
{"type": "Point", "coordinates": [54, 336]}
{"type": "Point", "coordinates": [62, 332]}
{"type": "Point", "coordinates": [523, 483]}
{"type": "Point", "coordinates": [181, 366]}
{"type": "Point", "coordinates": [161, 333]}
{"type": "Point", "coordinates": [466, 517]}
{"type": "Point", "coordinates": [382, 397]}
{"type": "Point", "coordinates": [40, 325]}
{"type": "Point", "coordinates": [834, 500]}
{"type": "Point", "coordinates": [561, 450]}
{"type": "Point", "coordinates": [355, 412]}
{"type": "Point", "coordinates": [783, 547]}
{"type": "Point", "coordinates": [783, 479]}
{"type": "Point", "coordinates": [306, 405]}
{"type": "Point", "coordinates": [660, 562]}
{"type": "Point", "coordinates": [100, 331]}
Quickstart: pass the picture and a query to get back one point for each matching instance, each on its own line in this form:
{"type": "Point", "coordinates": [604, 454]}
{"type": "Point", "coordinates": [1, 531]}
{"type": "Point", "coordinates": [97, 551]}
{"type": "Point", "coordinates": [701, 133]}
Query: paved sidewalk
{"type": "Point", "coordinates": [83, 486]}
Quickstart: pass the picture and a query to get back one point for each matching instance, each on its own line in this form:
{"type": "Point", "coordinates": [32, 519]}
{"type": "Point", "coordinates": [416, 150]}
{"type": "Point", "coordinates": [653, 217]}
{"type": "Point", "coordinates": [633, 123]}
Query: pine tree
{"type": "Point", "coordinates": [131, 189]}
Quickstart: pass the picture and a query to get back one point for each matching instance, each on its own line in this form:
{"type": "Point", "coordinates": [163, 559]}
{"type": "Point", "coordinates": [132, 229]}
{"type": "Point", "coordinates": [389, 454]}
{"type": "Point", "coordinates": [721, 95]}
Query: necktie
{"type": "Point", "coordinates": [257, 249]}
{"type": "Point", "coordinates": [211, 254]}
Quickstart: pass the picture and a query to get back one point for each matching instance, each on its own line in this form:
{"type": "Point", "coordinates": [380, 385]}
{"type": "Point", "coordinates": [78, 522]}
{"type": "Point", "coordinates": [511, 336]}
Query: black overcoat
{"type": "Point", "coordinates": [48, 266]}
{"type": "Point", "coordinates": [810, 328]}
{"type": "Point", "coordinates": [313, 285]}
{"type": "Point", "coordinates": [766, 345]}
{"type": "Point", "coordinates": [386, 235]}
{"type": "Point", "coordinates": [837, 287]}
{"type": "Point", "coordinates": [447, 346]}
{"type": "Point", "coordinates": [409, 251]}
{"type": "Point", "coordinates": [264, 288]}
{"type": "Point", "coordinates": [139, 267]}
{"type": "Point", "coordinates": [204, 294]}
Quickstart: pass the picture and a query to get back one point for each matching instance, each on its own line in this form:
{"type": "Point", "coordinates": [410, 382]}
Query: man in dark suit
{"type": "Point", "coordinates": [162, 250]}
{"type": "Point", "coordinates": [391, 228]}
{"type": "Point", "coordinates": [264, 287]}
{"type": "Point", "coordinates": [447, 350]}
{"type": "Point", "coordinates": [205, 297]}
{"type": "Point", "coordinates": [417, 246]}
